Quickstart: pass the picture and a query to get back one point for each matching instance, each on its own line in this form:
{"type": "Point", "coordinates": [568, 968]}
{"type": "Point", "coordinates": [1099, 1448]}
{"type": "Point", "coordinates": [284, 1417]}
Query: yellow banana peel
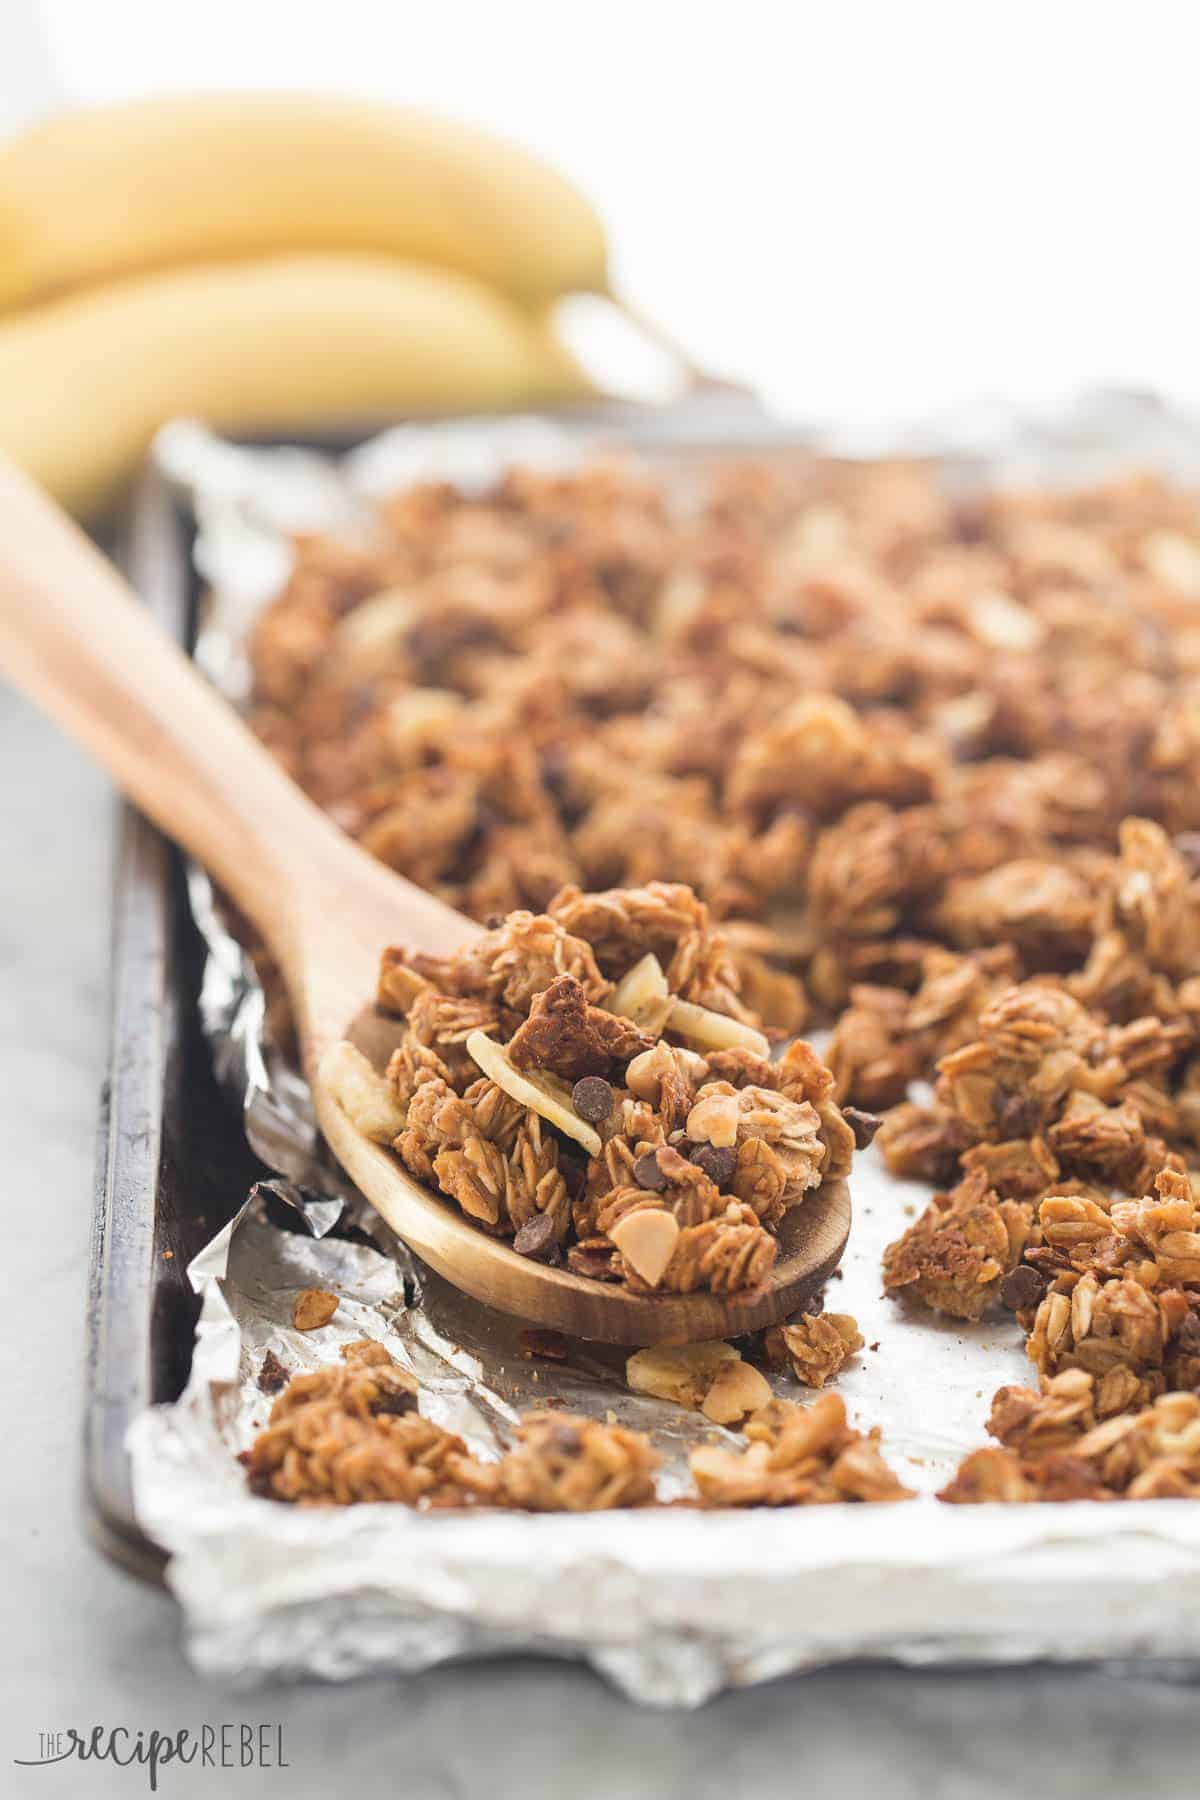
{"type": "Point", "coordinates": [101, 193]}
{"type": "Point", "coordinates": [282, 344]}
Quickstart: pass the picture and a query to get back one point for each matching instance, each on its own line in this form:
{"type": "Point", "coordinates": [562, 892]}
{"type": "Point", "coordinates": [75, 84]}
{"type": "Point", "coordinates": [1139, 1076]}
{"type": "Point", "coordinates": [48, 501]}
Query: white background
{"type": "Point", "coordinates": [871, 210]}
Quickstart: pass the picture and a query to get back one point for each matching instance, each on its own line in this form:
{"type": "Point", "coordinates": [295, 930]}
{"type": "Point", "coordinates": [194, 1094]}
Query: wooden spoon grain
{"type": "Point", "coordinates": [77, 641]}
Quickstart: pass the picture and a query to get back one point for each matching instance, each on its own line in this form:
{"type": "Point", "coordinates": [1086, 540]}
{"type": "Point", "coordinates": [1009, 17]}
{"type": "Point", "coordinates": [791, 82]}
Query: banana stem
{"type": "Point", "coordinates": [699, 379]}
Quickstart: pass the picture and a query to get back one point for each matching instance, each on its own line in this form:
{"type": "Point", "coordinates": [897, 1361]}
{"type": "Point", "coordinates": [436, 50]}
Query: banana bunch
{"type": "Point", "coordinates": [270, 263]}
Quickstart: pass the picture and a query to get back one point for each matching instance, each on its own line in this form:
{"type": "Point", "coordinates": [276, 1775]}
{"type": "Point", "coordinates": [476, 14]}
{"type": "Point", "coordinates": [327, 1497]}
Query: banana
{"type": "Point", "coordinates": [115, 190]}
{"type": "Point", "coordinates": [288, 343]}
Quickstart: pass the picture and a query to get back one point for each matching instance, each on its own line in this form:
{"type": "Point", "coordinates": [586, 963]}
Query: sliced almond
{"type": "Point", "coordinates": [817, 533]}
{"type": "Point", "coordinates": [1002, 623]}
{"type": "Point", "coordinates": [363, 1094]}
{"type": "Point", "coordinates": [647, 1241]}
{"type": "Point", "coordinates": [1174, 560]}
{"type": "Point", "coordinates": [691, 1064]}
{"type": "Point", "coordinates": [715, 1030]}
{"type": "Point", "coordinates": [643, 995]}
{"type": "Point", "coordinates": [683, 1373]}
{"type": "Point", "coordinates": [714, 1120]}
{"type": "Point", "coordinates": [680, 600]}
{"type": "Point", "coordinates": [644, 1075]}
{"type": "Point", "coordinates": [542, 1094]}
{"type": "Point", "coordinates": [738, 1390]}
{"type": "Point", "coordinates": [728, 1475]}
{"type": "Point", "coordinates": [375, 629]}
{"type": "Point", "coordinates": [406, 717]}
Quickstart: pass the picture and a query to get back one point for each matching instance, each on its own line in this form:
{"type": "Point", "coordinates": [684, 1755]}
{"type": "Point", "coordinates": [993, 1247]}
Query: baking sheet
{"type": "Point", "coordinates": [672, 1606]}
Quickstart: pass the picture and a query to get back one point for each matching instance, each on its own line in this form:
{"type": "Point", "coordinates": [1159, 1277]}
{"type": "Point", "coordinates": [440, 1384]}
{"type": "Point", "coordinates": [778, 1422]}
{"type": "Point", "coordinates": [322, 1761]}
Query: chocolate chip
{"type": "Point", "coordinates": [394, 1401]}
{"type": "Point", "coordinates": [592, 1098]}
{"type": "Point", "coordinates": [718, 1162]}
{"type": "Point", "coordinates": [647, 1173]}
{"type": "Point", "coordinates": [1187, 1338]}
{"type": "Point", "coordinates": [272, 1376]}
{"type": "Point", "coordinates": [864, 1125]}
{"type": "Point", "coordinates": [1019, 1116]}
{"type": "Point", "coordinates": [942, 1171]}
{"type": "Point", "coordinates": [596, 1265]}
{"type": "Point", "coordinates": [1187, 843]}
{"type": "Point", "coordinates": [969, 521]}
{"type": "Point", "coordinates": [536, 1238]}
{"type": "Point", "coordinates": [1023, 1287]}
{"type": "Point", "coordinates": [552, 766]}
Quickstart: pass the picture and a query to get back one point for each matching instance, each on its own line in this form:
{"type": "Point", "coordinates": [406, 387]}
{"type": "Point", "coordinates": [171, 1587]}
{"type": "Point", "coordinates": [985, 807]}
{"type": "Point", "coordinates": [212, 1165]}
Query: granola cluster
{"type": "Point", "coordinates": [862, 718]}
{"type": "Point", "coordinates": [777, 745]}
{"type": "Point", "coordinates": [1053, 1445]}
{"type": "Point", "coordinates": [588, 1083]}
{"type": "Point", "coordinates": [797, 1456]}
{"type": "Point", "coordinates": [352, 1433]}
{"type": "Point", "coordinates": [1052, 1095]}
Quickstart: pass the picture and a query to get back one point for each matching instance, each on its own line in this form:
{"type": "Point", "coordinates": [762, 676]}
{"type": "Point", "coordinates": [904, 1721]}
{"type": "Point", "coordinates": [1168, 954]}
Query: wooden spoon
{"type": "Point", "coordinates": [79, 643]}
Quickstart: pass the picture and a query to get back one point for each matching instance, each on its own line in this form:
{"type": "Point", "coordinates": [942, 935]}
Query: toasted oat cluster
{"type": "Point", "coordinates": [797, 1456]}
{"type": "Point", "coordinates": [353, 1433]}
{"type": "Point", "coordinates": [1115, 1290]}
{"type": "Point", "coordinates": [1053, 1446]}
{"type": "Point", "coordinates": [588, 1083]}
{"type": "Point", "coordinates": [814, 1346]}
{"type": "Point", "coordinates": [955, 1256]}
{"type": "Point", "coordinates": [863, 719]}
{"type": "Point", "coordinates": [786, 743]}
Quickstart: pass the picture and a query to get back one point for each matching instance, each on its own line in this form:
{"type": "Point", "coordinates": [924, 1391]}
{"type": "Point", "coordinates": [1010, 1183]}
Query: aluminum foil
{"type": "Point", "coordinates": [671, 1606]}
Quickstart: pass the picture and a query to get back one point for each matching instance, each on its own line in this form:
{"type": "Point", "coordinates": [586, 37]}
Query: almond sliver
{"type": "Point", "coordinates": [375, 627]}
{"type": "Point", "coordinates": [533, 1091]}
{"type": "Point", "coordinates": [363, 1094]}
{"type": "Point", "coordinates": [643, 995]}
{"type": "Point", "coordinates": [647, 1242]}
{"type": "Point", "coordinates": [739, 1389]}
{"type": "Point", "coordinates": [715, 1030]}
{"type": "Point", "coordinates": [682, 1373]}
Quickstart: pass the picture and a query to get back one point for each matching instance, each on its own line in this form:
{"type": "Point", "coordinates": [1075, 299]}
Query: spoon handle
{"type": "Point", "coordinates": [78, 642]}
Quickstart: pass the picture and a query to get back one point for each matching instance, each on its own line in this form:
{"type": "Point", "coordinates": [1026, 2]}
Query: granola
{"type": "Point", "coordinates": [1054, 1446]}
{"type": "Point", "coordinates": [955, 1257]}
{"type": "Point", "coordinates": [797, 1456]}
{"type": "Point", "coordinates": [783, 744]}
{"type": "Point", "coordinates": [1119, 1292]}
{"type": "Point", "coordinates": [853, 741]}
{"type": "Point", "coordinates": [353, 1433]}
{"type": "Point", "coordinates": [524, 1091]}
{"type": "Point", "coordinates": [813, 1345]}
{"type": "Point", "coordinates": [562, 1463]}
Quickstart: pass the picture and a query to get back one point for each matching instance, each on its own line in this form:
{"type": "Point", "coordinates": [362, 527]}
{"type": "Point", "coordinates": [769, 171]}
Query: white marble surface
{"type": "Point", "coordinates": [83, 1644]}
